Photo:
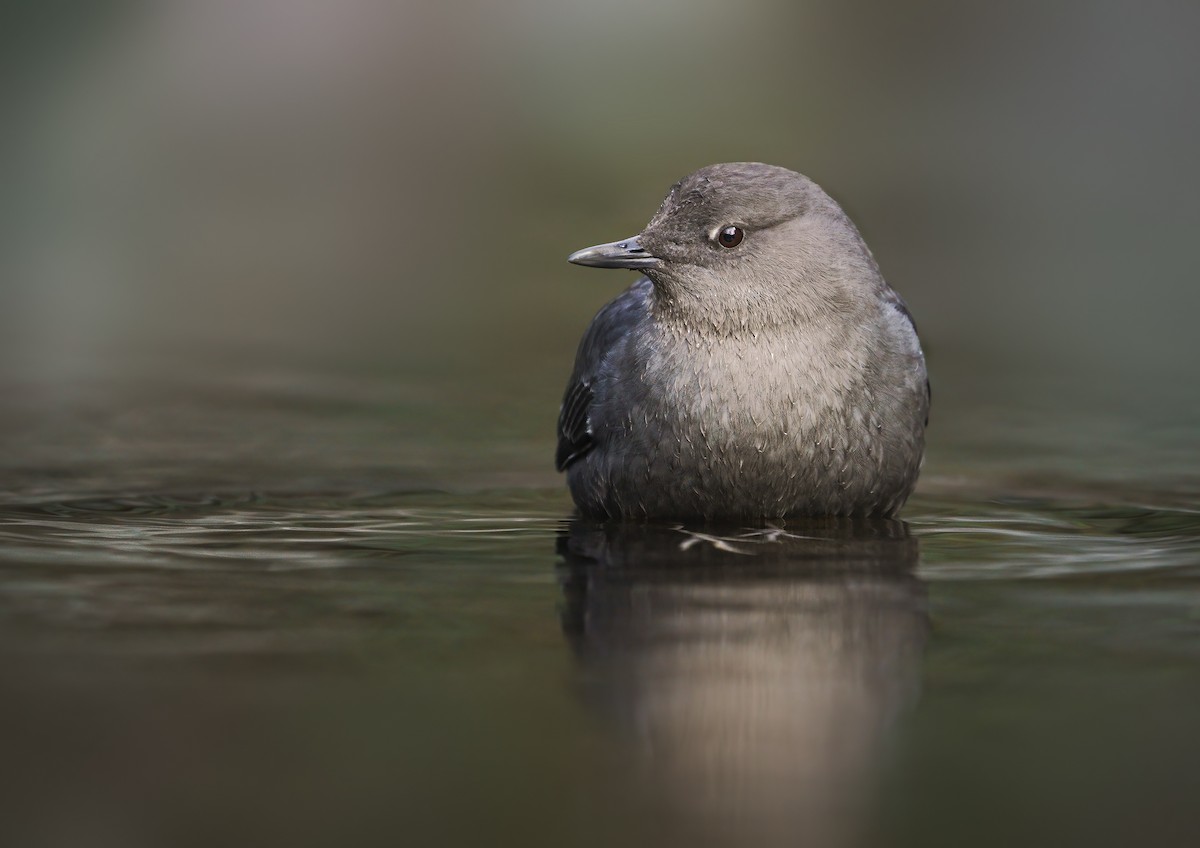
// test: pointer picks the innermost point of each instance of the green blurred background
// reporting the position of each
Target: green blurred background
(287, 192)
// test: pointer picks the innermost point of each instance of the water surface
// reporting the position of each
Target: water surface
(292, 615)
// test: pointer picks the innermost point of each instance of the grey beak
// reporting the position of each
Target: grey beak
(627, 253)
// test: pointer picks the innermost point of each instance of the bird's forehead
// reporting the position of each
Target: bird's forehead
(748, 194)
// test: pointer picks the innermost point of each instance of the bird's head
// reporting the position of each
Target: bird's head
(750, 244)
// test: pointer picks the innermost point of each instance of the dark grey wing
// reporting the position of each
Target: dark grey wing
(608, 328)
(894, 298)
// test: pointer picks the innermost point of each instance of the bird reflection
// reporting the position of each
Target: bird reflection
(756, 673)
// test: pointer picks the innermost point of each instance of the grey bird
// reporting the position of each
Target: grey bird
(762, 368)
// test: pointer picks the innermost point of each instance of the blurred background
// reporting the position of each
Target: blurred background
(285, 319)
(250, 201)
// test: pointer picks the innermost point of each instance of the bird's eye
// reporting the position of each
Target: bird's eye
(730, 236)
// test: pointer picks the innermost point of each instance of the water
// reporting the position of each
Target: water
(295, 613)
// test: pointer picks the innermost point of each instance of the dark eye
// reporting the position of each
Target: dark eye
(730, 236)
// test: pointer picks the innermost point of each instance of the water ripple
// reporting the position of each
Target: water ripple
(1013, 539)
(1044, 539)
(283, 533)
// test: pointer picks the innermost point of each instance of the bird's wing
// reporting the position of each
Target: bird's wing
(608, 328)
(893, 297)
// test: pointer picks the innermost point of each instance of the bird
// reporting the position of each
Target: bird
(760, 368)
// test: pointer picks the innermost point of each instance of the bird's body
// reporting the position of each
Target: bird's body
(778, 380)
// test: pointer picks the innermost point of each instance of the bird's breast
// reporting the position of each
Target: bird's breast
(768, 423)
(776, 388)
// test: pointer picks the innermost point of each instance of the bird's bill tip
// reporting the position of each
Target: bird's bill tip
(626, 253)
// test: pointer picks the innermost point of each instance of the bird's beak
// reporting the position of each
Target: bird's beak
(626, 253)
